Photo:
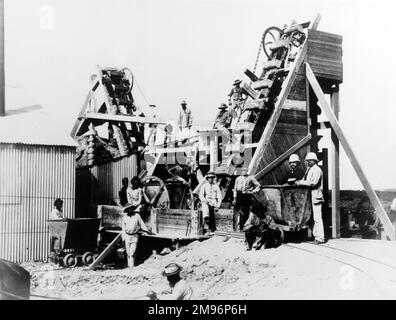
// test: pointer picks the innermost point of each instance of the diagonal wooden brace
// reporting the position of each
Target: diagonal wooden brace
(388, 227)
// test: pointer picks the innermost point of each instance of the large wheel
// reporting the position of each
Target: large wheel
(271, 35)
(87, 258)
(70, 260)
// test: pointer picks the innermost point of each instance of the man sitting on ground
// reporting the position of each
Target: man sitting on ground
(262, 226)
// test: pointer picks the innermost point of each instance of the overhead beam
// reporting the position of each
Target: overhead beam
(269, 128)
(119, 118)
(388, 227)
(278, 161)
(315, 23)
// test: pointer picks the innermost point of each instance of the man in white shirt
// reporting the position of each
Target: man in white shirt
(210, 196)
(179, 288)
(314, 178)
(132, 224)
(57, 211)
(185, 121)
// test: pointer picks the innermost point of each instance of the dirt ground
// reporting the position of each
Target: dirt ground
(219, 268)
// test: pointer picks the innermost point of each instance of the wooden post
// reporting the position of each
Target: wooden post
(335, 169)
(375, 201)
(2, 76)
(325, 206)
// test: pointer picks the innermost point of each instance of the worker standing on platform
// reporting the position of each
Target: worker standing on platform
(135, 194)
(223, 118)
(185, 121)
(210, 196)
(295, 173)
(314, 179)
(236, 98)
(132, 224)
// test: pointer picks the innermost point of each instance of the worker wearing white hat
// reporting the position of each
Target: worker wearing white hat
(295, 173)
(211, 198)
(314, 179)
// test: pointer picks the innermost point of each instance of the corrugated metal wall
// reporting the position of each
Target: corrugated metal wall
(99, 185)
(31, 178)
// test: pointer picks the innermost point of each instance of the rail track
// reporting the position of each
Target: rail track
(380, 273)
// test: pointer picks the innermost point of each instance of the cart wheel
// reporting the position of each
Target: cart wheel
(70, 260)
(87, 258)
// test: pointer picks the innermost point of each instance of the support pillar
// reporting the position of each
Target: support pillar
(335, 169)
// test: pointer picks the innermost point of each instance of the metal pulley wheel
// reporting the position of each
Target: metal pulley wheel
(70, 260)
(128, 75)
(297, 38)
(271, 35)
(87, 258)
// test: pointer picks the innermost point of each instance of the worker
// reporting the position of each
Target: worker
(223, 118)
(132, 224)
(185, 120)
(236, 97)
(123, 192)
(152, 134)
(210, 196)
(262, 226)
(179, 288)
(295, 173)
(57, 210)
(241, 200)
(135, 194)
(314, 179)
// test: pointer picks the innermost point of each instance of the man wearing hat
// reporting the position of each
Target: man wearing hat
(314, 179)
(132, 224)
(235, 97)
(241, 200)
(179, 288)
(223, 118)
(185, 119)
(210, 196)
(295, 173)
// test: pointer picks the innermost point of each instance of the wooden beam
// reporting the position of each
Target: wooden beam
(78, 123)
(106, 252)
(376, 203)
(119, 118)
(269, 128)
(2, 59)
(278, 161)
(335, 169)
(315, 23)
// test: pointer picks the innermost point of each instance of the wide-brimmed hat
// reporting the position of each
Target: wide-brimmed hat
(183, 102)
(223, 106)
(294, 158)
(172, 269)
(210, 174)
(237, 82)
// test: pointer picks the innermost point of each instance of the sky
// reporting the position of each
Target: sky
(194, 50)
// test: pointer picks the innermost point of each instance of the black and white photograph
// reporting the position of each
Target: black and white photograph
(202, 150)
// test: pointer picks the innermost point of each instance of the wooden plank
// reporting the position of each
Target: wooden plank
(250, 75)
(335, 169)
(105, 252)
(78, 123)
(293, 116)
(249, 91)
(388, 227)
(315, 22)
(119, 118)
(262, 84)
(283, 157)
(286, 87)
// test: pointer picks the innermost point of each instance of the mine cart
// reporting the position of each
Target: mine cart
(73, 240)
(289, 206)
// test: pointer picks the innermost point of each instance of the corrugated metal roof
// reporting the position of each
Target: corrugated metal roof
(26, 122)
